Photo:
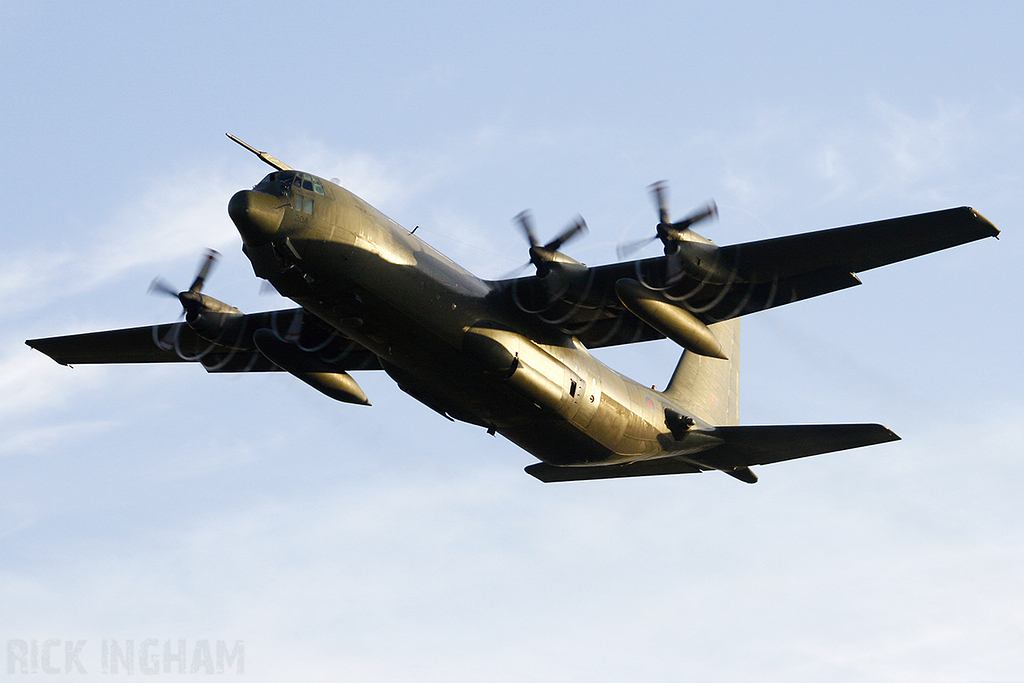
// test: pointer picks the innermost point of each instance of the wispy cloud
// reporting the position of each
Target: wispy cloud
(163, 223)
(457, 569)
(882, 152)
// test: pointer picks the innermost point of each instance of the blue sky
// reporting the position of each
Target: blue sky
(384, 543)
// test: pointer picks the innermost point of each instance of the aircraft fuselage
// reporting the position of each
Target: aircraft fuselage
(445, 336)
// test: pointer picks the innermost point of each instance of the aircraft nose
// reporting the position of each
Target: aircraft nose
(257, 216)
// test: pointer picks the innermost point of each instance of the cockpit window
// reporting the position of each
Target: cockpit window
(289, 180)
(308, 182)
(267, 181)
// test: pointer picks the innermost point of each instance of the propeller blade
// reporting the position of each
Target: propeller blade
(515, 273)
(673, 267)
(167, 341)
(709, 210)
(160, 287)
(660, 192)
(205, 266)
(525, 220)
(190, 297)
(540, 256)
(671, 234)
(574, 228)
(630, 248)
(295, 329)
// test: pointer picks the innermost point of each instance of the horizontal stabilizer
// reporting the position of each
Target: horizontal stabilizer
(747, 446)
(742, 448)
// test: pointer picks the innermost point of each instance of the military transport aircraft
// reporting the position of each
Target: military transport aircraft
(512, 355)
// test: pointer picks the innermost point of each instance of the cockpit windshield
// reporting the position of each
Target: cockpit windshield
(291, 180)
(301, 181)
(266, 181)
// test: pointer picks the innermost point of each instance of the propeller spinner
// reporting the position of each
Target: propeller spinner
(192, 300)
(543, 256)
(674, 235)
(670, 234)
(211, 319)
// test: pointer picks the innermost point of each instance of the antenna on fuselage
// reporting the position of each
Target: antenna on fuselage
(273, 161)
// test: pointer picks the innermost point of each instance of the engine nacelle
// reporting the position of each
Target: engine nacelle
(215, 321)
(337, 384)
(700, 258)
(224, 329)
(676, 323)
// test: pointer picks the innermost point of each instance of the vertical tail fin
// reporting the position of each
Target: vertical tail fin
(709, 388)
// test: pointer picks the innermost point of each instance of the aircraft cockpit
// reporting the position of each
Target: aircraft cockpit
(283, 182)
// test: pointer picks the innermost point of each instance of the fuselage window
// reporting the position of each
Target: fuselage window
(303, 203)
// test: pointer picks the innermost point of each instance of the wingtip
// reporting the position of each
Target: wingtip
(887, 435)
(986, 225)
(35, 344)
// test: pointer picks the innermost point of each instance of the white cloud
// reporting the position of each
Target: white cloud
(175, 217)
(882, 153)
(29, 381)
(43, 439)
(168, 221)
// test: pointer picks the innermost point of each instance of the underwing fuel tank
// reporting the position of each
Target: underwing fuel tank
(338, 385)
(531, 370)
(675, 322)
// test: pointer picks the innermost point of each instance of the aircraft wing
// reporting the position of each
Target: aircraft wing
(741, 448)
(325, 350)
(856, 248)
(757, 275)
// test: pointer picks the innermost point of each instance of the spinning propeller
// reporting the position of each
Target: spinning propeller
(558, 275)
(672, 234)
(211, 319)
(192, 300)
(543, 256)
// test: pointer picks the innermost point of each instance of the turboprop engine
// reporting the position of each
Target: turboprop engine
(213, 320)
